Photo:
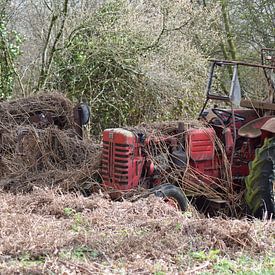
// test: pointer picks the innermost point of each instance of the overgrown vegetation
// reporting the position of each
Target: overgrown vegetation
(9, 51)
(131, 61)
(44, 232)
(133, 72)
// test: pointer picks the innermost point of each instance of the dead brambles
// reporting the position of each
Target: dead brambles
(39, 146)
(47, 232)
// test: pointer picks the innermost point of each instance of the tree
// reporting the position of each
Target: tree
(136, 62)
(253, 23)
(57, 21)
(9, 51)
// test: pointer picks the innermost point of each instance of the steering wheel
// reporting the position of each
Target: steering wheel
(225, 116)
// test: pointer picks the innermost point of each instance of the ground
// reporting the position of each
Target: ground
(52, 233)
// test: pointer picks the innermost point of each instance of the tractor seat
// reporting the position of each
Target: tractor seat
(252, 129)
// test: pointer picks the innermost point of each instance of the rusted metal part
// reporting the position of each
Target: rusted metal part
(269, 126)
(256, 104)
(242, 63)
(267, 49)
(78, 122)
(268, 58)
(41, 119)
(267, 67)
(253, 128)
(81, 113)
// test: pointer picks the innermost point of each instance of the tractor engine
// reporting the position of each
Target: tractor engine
(129, 159)
(122, 160)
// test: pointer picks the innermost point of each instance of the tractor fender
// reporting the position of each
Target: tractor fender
(253, 128)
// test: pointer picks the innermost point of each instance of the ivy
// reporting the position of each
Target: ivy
(10, 42)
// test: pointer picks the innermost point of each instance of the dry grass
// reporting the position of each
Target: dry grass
(46, 232)
(17, 112)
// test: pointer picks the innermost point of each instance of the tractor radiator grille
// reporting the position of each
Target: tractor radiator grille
(115, 163)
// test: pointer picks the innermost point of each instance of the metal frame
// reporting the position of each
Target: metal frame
(244, 103)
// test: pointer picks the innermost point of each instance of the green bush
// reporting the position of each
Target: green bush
(128, 69)
(9, 50)
(101, 64)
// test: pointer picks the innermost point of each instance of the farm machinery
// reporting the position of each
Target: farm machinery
(225, 158)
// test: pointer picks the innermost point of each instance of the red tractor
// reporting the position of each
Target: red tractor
(226, 158)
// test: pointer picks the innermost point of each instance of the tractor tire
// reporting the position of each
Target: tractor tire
(260, 182)
(171, 192)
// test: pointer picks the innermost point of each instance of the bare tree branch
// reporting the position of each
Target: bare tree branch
(46, 62)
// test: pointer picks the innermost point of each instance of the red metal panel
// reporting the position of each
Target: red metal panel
(201, 144)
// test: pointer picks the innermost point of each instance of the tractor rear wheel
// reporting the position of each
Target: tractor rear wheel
(173, 195)
(260, 183)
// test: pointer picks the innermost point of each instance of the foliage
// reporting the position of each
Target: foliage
(10, 42)
(101, 64)
(133, 61)
(253, 24)
(131, 64)
(252, 28)
(245, 27)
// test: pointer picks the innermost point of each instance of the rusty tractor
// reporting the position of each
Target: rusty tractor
(232, 151)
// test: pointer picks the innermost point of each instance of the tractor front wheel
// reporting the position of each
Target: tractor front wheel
(260, 184)
(172, 195)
